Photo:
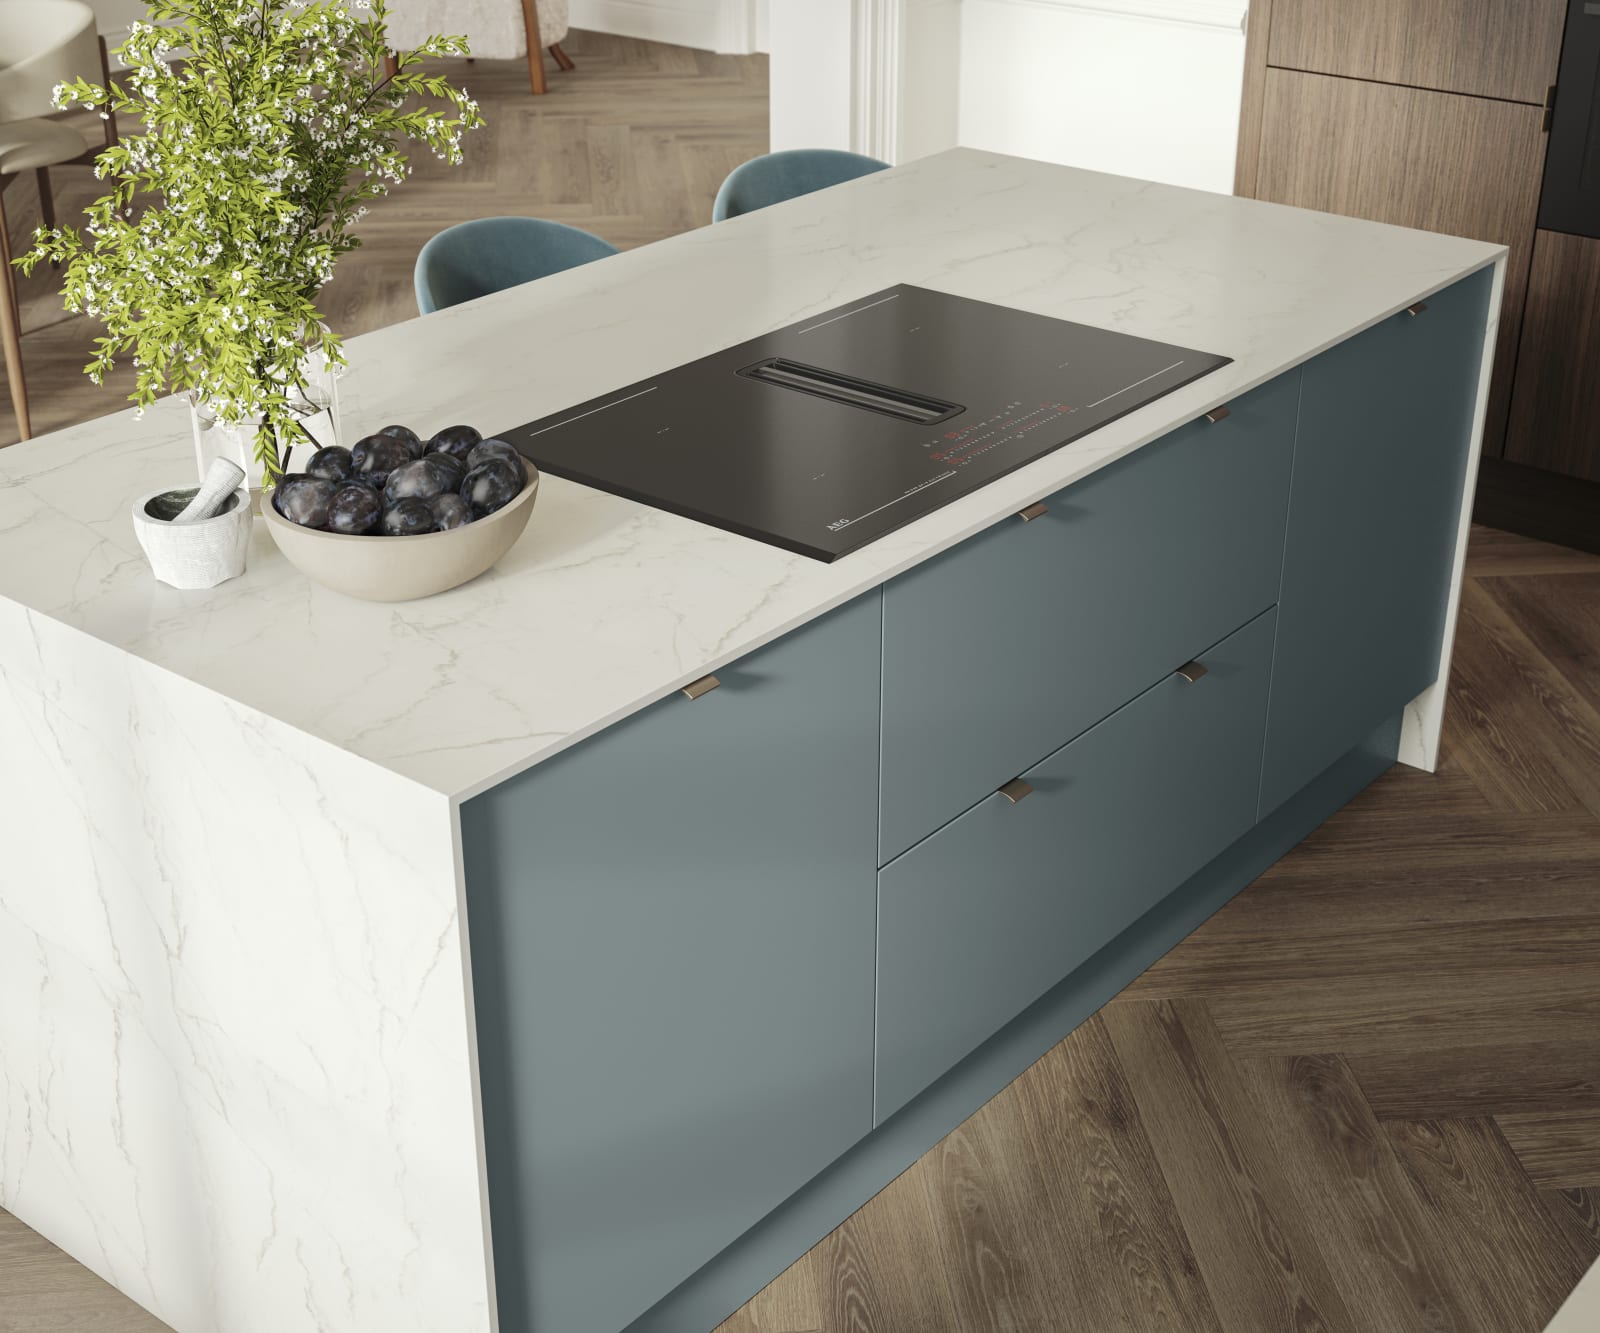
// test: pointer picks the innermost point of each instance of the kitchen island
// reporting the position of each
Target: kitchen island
(441, 967)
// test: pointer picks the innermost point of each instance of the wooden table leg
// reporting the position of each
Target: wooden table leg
(530, 21)
(11, 329)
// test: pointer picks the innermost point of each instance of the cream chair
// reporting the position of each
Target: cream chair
(494, 29)
(42, 43)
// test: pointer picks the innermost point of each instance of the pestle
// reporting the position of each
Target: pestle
(222, 480)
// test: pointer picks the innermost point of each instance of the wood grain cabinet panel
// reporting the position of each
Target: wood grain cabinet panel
(1555, 417)
(1489, 48)
(1466, 166)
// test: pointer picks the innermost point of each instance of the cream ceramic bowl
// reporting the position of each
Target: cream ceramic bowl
(401, 569)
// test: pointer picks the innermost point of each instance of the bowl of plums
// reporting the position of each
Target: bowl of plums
(399, 517)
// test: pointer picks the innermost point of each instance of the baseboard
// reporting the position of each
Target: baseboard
(731, 26)
(735, 1275)
(1534, 503)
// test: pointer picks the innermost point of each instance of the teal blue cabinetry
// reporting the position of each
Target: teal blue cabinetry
(671, 936)
(982, 918)
(731, 951)
(1380, 459)
(1001, 649)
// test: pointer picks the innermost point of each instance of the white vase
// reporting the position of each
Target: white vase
(317, 415)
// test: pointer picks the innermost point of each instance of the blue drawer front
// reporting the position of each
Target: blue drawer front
(1379, 464)
(978, 921)
(1006, 647)
(671, 931)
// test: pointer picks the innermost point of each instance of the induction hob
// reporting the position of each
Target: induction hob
(827, 434)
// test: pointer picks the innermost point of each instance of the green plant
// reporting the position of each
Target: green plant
(267, 128)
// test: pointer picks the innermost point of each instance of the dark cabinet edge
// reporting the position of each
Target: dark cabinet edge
(1532, 502)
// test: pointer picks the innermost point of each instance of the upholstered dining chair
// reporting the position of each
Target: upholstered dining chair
(494, 29)
(487, 255)
(42, 43)
(787, 175)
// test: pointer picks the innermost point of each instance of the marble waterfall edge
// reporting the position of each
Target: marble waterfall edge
(234, 1072)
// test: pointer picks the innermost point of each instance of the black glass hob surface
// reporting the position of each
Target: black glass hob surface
(827, 434)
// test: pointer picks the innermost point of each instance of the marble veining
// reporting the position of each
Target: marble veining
(234, 1064)
(606, 605)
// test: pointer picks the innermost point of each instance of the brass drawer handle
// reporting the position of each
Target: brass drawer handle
(1219, 413)
(695, 688)
(1038, 509)
(1016, 789)
(1192, 671)
(1415, 310)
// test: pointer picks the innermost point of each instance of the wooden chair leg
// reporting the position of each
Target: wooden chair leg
(47, 203)
(530, 22)
(562, 58)
(110, 121)
(11, 331)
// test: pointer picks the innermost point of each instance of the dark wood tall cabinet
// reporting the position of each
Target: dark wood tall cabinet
(1436, 114)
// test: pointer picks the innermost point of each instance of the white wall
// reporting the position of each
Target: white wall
(1113, 85)
(712, 25)
(810, 82)
(1145, 88)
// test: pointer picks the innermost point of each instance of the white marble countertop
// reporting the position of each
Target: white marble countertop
(606, 605)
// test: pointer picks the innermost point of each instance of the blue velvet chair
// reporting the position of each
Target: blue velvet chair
(787, 175)
(490, 254)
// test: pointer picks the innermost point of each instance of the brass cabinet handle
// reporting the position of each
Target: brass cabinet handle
(1016, 789)
(1192, 671)
(695, 688)
(1415, 310)
(1038, 509)
(1219, 413)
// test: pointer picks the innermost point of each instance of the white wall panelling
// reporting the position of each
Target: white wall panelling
(873, 76)
(1144, 88)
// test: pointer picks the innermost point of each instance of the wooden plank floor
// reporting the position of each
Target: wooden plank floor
(1364, 1096)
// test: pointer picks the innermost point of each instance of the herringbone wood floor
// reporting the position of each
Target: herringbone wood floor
(631, 145)
(1365, 1096)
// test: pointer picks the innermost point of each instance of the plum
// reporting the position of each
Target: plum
(419, 479)
(331, 464)
(354, 509)
(482, 453)
(376, 456)
(450, 511)
(284, 480)
(406, 436)
(492, 485)
(304, 500)
(448, 466)
(457, 441)
(409, 517)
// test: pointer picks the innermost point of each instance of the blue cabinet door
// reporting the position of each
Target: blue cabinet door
(671, 932)
(1380, 460)
(981, 919)
(1003, 649)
